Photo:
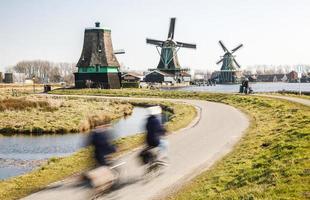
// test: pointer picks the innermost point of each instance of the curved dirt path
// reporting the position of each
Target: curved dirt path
(213, 134)
(292, 99)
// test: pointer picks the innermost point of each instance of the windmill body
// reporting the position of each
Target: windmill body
(228, 62)
(98, 66)
(167, 51)
(230, 72)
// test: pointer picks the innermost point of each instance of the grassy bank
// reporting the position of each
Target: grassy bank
(290, 95)
(270, 162)
(39, 115)
(59, 168)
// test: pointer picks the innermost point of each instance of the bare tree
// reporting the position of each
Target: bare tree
(44, 70)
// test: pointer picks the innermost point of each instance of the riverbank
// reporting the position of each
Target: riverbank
(270, 161)
(41, 115)
(60, 168)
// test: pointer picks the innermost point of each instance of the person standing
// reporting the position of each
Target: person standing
(246, 85)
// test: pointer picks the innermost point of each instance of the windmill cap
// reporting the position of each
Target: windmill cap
(154, 110)
(97, 24)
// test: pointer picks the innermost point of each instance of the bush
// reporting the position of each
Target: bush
(130, 84)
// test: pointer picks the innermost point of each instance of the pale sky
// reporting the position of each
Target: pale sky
(272, 31)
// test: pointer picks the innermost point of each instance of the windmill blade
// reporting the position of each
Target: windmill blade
(155, 42)
(119, 51)
(218, 62)
(171, 28)
(186, 45)
(223, 46)
(236, 63)
(235, 49)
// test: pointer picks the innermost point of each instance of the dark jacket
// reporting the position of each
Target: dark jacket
(245, 84)
(154, 130)
(102, 143)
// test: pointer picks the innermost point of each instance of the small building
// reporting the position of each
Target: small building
(157, 76)
(132, 77)
(292, 77)
(272, 78)
(8, 78)
(185, 77)
(305, 78)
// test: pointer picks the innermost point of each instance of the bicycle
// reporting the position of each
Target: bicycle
(151, 159)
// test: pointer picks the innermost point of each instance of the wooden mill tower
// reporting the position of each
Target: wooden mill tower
(98, 66)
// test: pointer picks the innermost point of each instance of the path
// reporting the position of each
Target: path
(292, 99)
(191, 151)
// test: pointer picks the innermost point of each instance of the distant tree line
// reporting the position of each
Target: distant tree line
(270, 69)
(46, 71)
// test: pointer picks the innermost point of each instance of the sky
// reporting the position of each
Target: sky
(273, 32)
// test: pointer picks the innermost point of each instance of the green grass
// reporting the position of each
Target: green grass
(270, 162)
(60, 168)
(290, 95)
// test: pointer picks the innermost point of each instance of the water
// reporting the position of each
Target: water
(257, 87)
(19, 154)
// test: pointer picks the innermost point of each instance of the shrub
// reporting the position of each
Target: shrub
(130, 84)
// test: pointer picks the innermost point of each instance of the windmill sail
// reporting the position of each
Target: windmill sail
(171, 28)
(238, 47)
(187, 45)
(154, 42)
(223, 46)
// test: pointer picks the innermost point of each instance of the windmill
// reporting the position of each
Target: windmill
(229, 72)
(168, 49)
(228, 58)
(98, 64)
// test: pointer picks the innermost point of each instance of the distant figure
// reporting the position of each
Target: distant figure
(245, 85)
(101, 139)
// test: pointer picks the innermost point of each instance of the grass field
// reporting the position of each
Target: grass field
(16, 89)
(59, 168)
(270, 162)
(291, 95)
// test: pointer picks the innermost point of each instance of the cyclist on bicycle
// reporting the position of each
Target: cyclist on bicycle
(156, 131)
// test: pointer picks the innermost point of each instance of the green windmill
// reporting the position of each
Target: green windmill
(229, 72)
(168, 49)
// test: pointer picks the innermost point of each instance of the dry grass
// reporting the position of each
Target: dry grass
(19, 104)
(38, 115)
(22, 89)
